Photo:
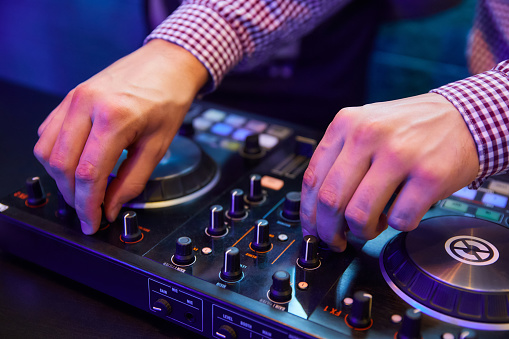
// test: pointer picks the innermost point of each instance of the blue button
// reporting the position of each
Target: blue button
(221, 129)
(241, 134)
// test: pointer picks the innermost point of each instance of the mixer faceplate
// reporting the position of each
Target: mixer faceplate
(454, 269)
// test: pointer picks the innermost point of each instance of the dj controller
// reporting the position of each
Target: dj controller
(214, 245)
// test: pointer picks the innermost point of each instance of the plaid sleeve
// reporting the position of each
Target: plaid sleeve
(225, 33)
(483, 101)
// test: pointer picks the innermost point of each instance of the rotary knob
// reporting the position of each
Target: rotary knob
(255, 189)
(131, 231)
(252, 148)
(309, 253)
(36, 196)
(184, 255)
(261, 241)
(231, 271)
(291, 206)
(237, 210)
(162, 307)
(216, 226)
(64, 211)
(226, 332)
(281, 290)
(467, 334)
(360, 316)
(411, 325)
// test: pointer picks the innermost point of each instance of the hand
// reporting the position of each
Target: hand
(138, 104)
(419, 148)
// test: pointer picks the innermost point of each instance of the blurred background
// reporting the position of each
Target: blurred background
(53, 45)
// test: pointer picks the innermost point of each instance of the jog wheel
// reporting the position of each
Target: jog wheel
(453, 268)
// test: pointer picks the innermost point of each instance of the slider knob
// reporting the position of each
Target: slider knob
(184, 252)
(255, 189)
(411, 325)
(231, 270)
(131, 231)
(216, 226)
(281, 290)
(35, 192)
(261, 241)
(291, 206)
(237, 210)
(309, 253)
(360, 316)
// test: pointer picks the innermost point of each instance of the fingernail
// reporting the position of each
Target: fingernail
(86, 228)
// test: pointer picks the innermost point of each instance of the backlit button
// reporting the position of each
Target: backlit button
(213, 114)
(268, 141)
(456, 206)
(230, 145)
(272, 183)
(256, 125)
(465, 193)
(494, 199)
(487, 214)
(279, 131)
(201, 124)
(499, 187)
(235, 120)
(221, 129)
(241, 134)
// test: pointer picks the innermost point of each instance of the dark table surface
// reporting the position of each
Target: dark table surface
(35, 302)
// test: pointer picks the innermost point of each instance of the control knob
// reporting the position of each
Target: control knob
(411, 325)
(309, 253)
(216, 227)
(184, 255)
(261, 241)
(281, 290)
(237, 210)
(291, 206)
(162, 307)
(360, 315)
(36, 196)
(231, 271)
(131, 231)
(255, 189)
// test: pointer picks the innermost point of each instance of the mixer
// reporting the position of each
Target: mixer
(214, 244)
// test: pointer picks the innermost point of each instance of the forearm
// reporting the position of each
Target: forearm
(224, 34)
(483, 101)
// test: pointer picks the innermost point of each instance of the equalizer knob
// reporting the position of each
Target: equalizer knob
(184, 255)
(231, 270)
(360, 316)
(252, 148)
(261, 240)
(131, 231)
(309, 253)
(36, 196)
(216, 227)
(255, 189)
(281, 290)
(237, 210)
(411, 325)
(291, 206)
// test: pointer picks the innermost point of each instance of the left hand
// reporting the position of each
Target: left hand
(419, 147)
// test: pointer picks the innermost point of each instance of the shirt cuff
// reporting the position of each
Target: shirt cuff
(206, 35)
(483, 101)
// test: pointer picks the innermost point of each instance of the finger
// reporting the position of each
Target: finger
(336, 192)
(60, 111)
(133, 174)
(413, 201)
(364, 212)
(322, 160)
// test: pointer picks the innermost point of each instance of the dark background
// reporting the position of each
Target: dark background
(49, 46)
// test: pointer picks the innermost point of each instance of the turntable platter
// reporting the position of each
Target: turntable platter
(183, 174)
(453, 268)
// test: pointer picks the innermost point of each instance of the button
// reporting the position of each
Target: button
(221, 129)
(256, 125)
(494, 199)
(465, 193)
(207, 138)
(235, 120)
(241, 134)
(487, 214)
(268, 141)
(455, 206)
(201, 124)
(499, 187)
(279, 131)
(230, 145)
(272, 183)
(213, 114)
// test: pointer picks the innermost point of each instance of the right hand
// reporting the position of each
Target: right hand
(138, 104)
